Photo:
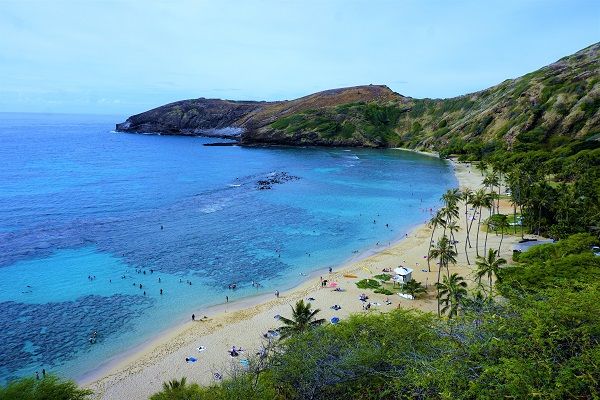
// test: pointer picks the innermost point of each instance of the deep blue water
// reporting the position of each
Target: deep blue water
(79, 200)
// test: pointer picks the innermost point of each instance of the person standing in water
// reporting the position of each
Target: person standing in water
(277, 293)
(193, 317)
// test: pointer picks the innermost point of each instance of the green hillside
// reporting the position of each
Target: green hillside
(541, 110)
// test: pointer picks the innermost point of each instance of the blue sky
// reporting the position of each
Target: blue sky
(123, 57)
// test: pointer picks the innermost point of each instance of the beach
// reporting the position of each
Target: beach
(142, 371)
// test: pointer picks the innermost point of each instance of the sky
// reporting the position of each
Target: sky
(124, 57)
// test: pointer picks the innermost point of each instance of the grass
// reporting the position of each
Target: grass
(368, 284)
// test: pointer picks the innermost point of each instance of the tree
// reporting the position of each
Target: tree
(466, 198)
(489, 204)
(501, 223)
(436, 220)
(303, 318)
(453, 227)
(452, 292)
(446, 255)
(478, 201)
(177, 390)
(413, 288)
(481, 166)
(451, 197)
(51, 387)
(489, 266)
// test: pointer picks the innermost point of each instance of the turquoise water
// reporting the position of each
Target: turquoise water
(78, 201)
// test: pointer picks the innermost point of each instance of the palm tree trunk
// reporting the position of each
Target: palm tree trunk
(477, 237)
(498, 207)
(453, 242)
(539, 218)
(430, 244)
(501, 238)
(521, 212)
(471, 228)
(487, 229)
(515, 217)
(467, 222)
(438, 288)
(467, 253)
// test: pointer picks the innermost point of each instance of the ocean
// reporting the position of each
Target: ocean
(94, 224)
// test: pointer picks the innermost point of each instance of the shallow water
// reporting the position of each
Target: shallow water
(80, 201)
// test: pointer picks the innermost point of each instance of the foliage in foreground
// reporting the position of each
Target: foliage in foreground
(541, 340)
(49, 388)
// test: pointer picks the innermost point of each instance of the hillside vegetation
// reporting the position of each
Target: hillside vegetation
(543, 109)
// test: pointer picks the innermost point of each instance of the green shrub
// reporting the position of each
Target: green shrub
(383, 277)
(368, 284)
(48, 388)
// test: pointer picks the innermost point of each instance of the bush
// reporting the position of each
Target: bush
(383, 277)
(48, 388)
(368, 284)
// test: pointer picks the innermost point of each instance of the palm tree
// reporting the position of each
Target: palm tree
(478, 201)
(175, 385)
(413, 288)
(433, 223)
(303, 318)
(502, 224)
(467, 194)
(489, 204)
(446, 255)
(453, 227)
(452, 292)
(489, 266)
(481, 166)
(490, 181)
(451, 197)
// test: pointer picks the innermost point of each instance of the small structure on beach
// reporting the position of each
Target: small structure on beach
(403, 274)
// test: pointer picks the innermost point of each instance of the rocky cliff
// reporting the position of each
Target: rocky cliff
(551, 105)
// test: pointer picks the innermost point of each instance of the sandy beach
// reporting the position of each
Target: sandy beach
(242, 324)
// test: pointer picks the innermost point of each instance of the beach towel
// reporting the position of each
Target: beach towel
(335, 320)
(201, 348)
(192, 360)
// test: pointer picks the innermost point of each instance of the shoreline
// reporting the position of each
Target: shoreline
(141, 371)
(111, 365)
(181, 323)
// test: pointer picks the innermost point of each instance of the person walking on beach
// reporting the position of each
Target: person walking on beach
(226, 299)
(330, 269)
(43, 372)
(277, 293)
(37, 375)
(193, 317)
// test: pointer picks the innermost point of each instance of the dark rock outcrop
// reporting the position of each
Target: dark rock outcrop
(207, 117)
